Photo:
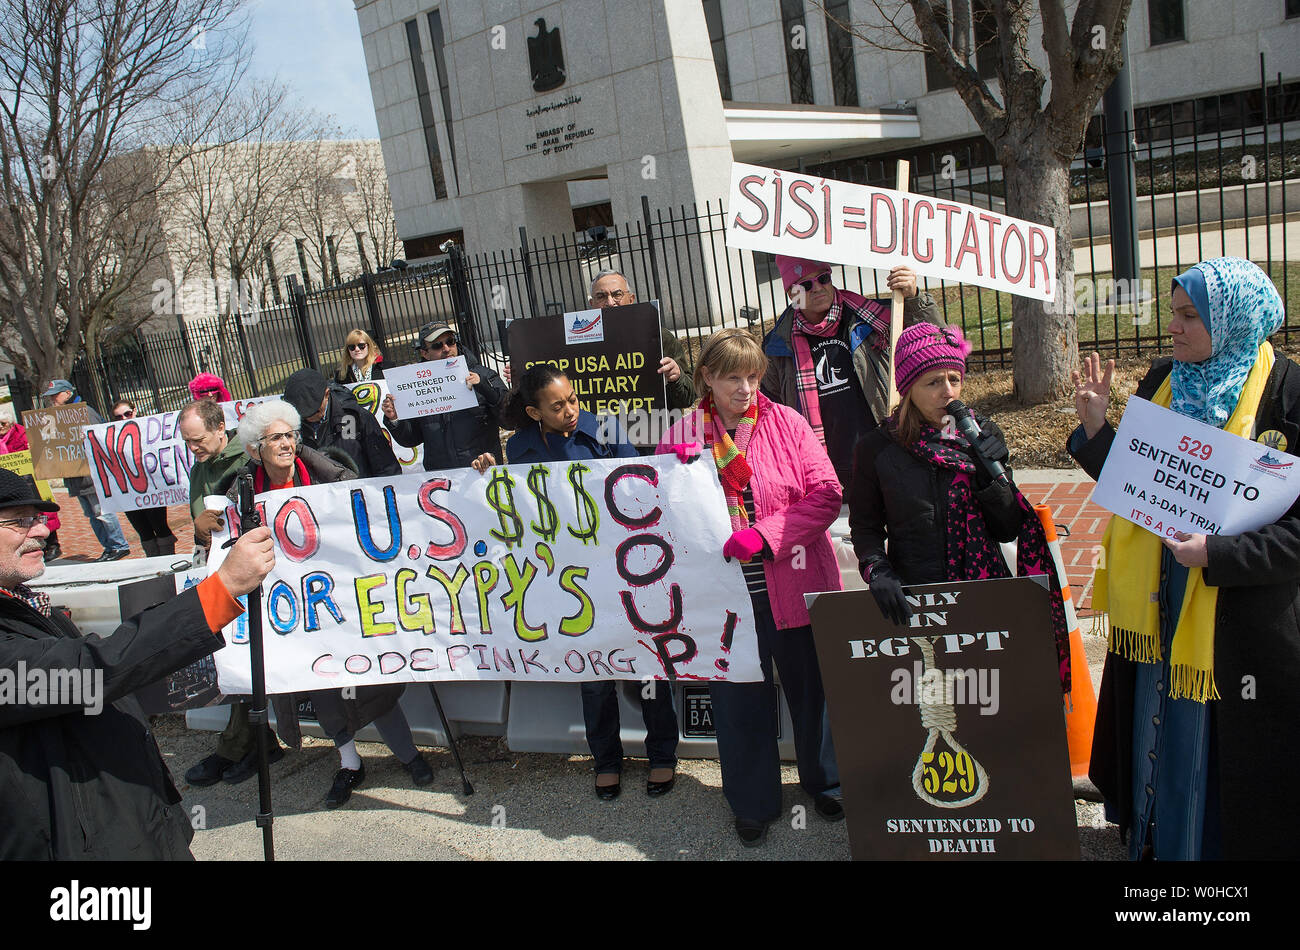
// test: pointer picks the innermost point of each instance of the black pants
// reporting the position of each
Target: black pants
(155, 534)
(600, 711)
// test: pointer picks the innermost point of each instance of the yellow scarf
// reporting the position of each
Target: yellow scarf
(1131, 594)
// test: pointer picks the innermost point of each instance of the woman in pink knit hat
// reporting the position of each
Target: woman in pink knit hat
(919, 484)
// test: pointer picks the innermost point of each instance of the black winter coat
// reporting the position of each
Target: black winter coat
(1256, 660)
(94, 787)
(353, 430)
(456, 439)
(897, 497)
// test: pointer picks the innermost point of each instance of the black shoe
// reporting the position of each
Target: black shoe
(607, 793)
(419, 770)
(344, 782)
(246, 767)
(53, 552)
(208, 772)
(656, 789)
(830, 808)
(114, 555)
(752, 833)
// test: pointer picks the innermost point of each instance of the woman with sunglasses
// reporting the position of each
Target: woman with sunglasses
(210, 386)
(149, 523)
(828, 355)
(361, 359)
(13, 438)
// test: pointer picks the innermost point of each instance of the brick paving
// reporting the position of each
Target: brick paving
(1071, 504)
(78, 540)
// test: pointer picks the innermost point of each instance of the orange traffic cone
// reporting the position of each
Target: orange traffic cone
(1081, 703)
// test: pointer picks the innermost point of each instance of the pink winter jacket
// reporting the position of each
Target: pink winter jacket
(796, 498)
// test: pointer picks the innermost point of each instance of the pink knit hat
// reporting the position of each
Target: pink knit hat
(795, 269)
(206, 382)
(923, 347)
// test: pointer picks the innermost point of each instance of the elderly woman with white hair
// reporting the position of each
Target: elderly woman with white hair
(270, 434)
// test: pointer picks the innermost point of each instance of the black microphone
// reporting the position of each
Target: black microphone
(965, 422)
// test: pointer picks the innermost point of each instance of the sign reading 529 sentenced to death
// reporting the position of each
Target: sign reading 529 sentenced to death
(1168, 473)
(783, 212)
(430, 388)
(554, 572)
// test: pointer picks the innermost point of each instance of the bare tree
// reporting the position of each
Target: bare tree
(82, 84)
(327, 177)
(1034, 141)
(370, 213)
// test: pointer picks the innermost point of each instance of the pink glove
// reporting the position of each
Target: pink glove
(686, 452)
(743, 544)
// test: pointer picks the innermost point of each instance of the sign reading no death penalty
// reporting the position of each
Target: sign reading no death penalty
(139, 463)
(1168, 473)
(611, 356)
(430, 388)
(783, 212)
(949, 734)
(54, 436)
(554, 572)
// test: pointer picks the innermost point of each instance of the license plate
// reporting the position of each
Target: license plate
(697, 713)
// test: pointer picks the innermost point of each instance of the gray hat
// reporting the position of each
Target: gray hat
(431, 331)
(58, 386)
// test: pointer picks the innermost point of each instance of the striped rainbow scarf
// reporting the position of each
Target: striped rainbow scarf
(733, 471)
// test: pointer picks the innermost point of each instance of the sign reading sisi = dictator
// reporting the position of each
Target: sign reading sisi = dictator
(949, 733)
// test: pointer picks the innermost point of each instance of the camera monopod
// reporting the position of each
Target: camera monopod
(257, 718)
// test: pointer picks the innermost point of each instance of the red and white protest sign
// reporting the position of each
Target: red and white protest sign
(783, 212)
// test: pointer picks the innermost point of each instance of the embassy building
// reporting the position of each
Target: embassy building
(555, 116)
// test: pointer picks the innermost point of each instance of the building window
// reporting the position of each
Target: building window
(796, 51)
(987, 52)
(718, 40)
(935, 77)
(844, 76)
(444, 86)
(1292, 8)
(426, 109)
(1165, 21)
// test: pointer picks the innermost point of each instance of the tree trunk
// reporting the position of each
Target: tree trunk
(1045, 337)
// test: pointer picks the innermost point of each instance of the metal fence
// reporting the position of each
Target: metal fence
(1204, 189)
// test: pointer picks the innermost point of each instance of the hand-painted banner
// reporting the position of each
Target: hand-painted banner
(55, 438)
(783, 212)
(1168, 473)
(236, 408)
(370, 396)
(139, 463)
(20, 463)
(430, 388)
(554, 572)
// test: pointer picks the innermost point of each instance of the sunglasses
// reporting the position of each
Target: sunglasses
(358, 346)
(822, 279)
(440, 344)
(204, 394)
(125, 414)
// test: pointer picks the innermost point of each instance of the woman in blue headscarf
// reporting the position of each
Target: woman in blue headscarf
(1194, 747)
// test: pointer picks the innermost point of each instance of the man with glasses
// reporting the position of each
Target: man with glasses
(829, 354)
(609, 288)
(218, 457)
(107, 527)
(81, 776)
(333, 419)
(460, 439)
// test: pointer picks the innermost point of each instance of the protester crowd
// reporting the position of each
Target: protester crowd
(795, 426)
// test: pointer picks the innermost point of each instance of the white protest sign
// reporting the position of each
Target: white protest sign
(235, 408)
(370, 396)
(783, 212)
(552, 572)
(1167, 473)
(430, 388)
(139, 463)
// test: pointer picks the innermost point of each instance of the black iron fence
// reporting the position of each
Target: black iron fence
(1204, 190)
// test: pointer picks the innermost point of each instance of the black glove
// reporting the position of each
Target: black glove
(888, 591)
(991, 446)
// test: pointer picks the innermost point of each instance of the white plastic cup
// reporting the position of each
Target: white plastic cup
(215, 502)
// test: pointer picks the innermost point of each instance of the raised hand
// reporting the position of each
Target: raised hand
(1092, 393)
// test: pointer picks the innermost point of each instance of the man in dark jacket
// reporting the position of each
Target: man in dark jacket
(81, 777)
(332, 418)
(107, 527)
(466, 437)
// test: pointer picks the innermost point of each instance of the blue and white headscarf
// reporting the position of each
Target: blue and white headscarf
(1241, 308)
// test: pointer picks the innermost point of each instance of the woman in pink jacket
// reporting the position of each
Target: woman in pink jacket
(782, 494)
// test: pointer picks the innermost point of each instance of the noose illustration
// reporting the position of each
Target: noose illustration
(940, 719)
